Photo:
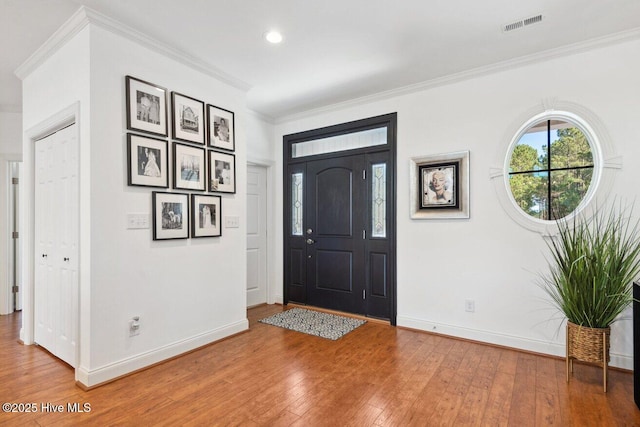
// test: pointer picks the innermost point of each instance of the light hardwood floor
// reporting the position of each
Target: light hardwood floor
(377, 375)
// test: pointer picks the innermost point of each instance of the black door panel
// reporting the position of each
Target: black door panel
(335, 217)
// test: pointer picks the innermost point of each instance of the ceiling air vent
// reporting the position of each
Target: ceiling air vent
(532, 20)
(521, 23)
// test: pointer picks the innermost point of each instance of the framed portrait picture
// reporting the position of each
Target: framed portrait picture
(147, 161)
(440, 186)
(207, 214)
(188, 118)
(222, 172)
(189, 168)
(220, 128)
(170, 215)
(146, 106)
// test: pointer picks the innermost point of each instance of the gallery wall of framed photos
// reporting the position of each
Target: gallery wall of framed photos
(197, 157)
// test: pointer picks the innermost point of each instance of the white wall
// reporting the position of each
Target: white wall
(56, 90)
(489, 258)
(186, 292)
(10, 133)
(259, 135)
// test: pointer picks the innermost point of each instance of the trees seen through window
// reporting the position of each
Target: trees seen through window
(550, 169)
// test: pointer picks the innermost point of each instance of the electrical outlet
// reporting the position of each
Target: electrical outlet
(134, 326)
(470, 305)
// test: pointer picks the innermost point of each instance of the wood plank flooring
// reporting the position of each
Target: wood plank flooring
(377, 375)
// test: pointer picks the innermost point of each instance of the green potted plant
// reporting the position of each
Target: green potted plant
(593, 264)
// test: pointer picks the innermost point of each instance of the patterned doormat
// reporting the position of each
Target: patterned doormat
(316, 323)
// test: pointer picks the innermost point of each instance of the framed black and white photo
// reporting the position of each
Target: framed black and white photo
(146, 106)
(147, 161)
(207, 214)
(220, 128)
(189, 168)
(222, 172)
(170, 215)
(188, 118)
(440, 186)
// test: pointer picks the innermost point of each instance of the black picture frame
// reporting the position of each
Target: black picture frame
(222, 172)
(188, 121)
(221, 128)
(440, 185)
(146, 106)
(170, 215)
(206, 217)
(189, 167)
(147, 161)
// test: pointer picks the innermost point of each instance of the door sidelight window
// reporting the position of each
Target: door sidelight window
(296, 203)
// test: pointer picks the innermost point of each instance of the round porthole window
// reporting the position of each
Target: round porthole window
(550, 167)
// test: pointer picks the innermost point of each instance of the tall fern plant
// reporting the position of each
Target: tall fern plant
(593, 265)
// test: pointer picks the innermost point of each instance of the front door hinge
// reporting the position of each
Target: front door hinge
(364, 234)
(14, 181)
(364, 294)
(15, 289)
(364, 174)
(14, 234)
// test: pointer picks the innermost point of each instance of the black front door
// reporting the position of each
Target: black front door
(340, 225)
(335, 211)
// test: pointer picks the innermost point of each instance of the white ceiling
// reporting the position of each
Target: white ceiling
(334, 50)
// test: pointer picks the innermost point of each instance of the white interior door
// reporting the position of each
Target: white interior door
(256, 235)
(56, 238)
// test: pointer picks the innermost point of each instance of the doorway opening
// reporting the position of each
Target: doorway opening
(15, 247)
(10, 238)
(340, 219)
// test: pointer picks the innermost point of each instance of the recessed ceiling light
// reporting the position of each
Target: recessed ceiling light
(273, 37)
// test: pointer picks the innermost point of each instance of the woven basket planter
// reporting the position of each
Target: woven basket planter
(589, 345)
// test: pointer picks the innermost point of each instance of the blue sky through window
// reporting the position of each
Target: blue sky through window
(537, 140)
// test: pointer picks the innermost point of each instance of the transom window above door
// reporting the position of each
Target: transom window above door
(342, 142)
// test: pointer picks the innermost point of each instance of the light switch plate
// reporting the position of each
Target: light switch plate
(137, 221)
(232, 221)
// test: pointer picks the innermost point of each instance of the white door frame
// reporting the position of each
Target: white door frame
(271, 226)
(58, 121)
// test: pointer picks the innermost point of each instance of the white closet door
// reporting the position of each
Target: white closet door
(56, 235)
(44, 291)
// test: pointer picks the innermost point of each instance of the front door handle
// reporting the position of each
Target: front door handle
(310, 241)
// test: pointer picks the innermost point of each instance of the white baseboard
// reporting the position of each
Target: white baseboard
(93, 377)
(505, 340)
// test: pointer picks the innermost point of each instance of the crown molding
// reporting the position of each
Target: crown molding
(521, 61)
(66, 32)
(85, 16)
(260, 116)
